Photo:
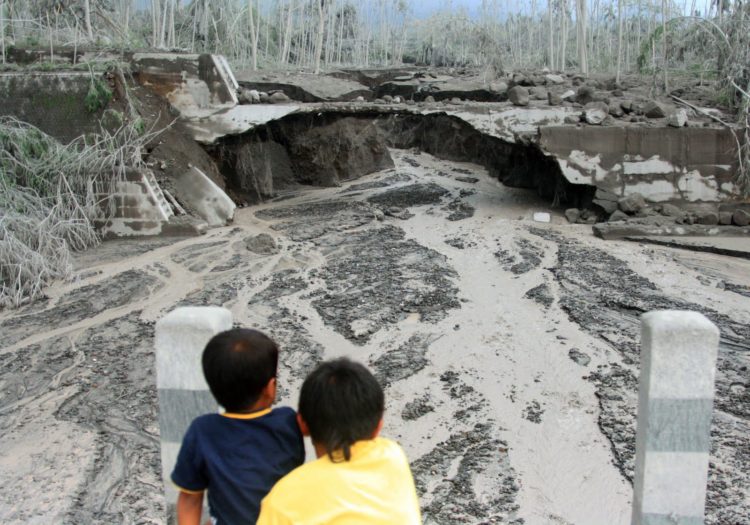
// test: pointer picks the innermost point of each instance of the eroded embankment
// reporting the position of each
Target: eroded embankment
(325, 148)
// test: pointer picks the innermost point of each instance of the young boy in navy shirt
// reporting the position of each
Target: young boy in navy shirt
(237, 455)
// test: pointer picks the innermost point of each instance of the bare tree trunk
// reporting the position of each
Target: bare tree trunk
(664, 43)
(564, 33)
(287, 34)
(619, 40)
(2, 28)
(551, 57)
(581, 36)
(154, 22)
(163, 30)
(87, 14)
(253, 36)
(319, 36)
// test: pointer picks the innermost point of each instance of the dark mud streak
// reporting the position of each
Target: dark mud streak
(605, 298)
(379, 276)
(84, 303)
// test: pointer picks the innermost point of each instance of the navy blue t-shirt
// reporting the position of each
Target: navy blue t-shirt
(238, 458)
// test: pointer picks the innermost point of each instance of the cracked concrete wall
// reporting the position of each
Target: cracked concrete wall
(662, 164)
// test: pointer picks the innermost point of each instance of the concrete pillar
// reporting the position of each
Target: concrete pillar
(675, 402)
(181, 336)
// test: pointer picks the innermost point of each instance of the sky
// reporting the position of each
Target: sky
(423, 8)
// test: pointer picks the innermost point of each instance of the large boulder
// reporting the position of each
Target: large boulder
(632, 203)
(707, 217)
(554, 79)
(519, 96)
(741, 218)
(605, 200)
(499, 87)
(553, 99)
(615, 110)
(654, 109)
(572, 214)
(678, 119)
(595, 112)
(585, 95)
(278, 98)
(670, 210)
(538, 93)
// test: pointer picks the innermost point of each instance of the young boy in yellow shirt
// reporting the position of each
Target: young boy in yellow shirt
(358, 478)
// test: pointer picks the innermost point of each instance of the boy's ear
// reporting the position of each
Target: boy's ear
(271, 388)
(378, 429)
(303, 426)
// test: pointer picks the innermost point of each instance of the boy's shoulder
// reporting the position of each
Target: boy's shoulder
(276, 417)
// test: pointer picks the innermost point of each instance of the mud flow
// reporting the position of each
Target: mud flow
(508, 349)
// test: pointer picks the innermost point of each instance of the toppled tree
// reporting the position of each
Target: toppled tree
(50, 197)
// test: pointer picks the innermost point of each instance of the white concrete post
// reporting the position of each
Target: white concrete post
(675, 403)
(181, 336)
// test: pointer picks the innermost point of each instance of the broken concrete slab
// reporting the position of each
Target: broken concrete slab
(205, 197)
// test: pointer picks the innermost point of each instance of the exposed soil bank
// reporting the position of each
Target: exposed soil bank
(322, 149)
(508, 351)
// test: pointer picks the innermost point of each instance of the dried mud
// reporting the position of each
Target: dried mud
(508, 351)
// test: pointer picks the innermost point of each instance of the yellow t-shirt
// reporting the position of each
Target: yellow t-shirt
(374, 487)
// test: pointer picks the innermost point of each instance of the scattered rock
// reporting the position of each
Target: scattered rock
(387, 99)
(654, 109)
(670, 210)
(541, 216)
(585, 95)
(279, 97)
(568, 95)
(615, 110)
(617, 93)
(429, 98)
(380, 101)
(455, 101)
(554, 79)
(725, 217)
(264, 98)
(632, 203)
(617, 215)
(627, 106)
(579, 357)
(262, 244)
(538, 93)
(707, 217)
(741, 218)
(499, 87)
(249, 96)
(519, 96)
(678, 119)
(572, 119)
(359, 99)
(595, 112)
(572, 214)
(553, 99)
(606, 200)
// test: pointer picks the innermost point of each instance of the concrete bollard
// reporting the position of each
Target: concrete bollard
(675, 403)
(181, 336)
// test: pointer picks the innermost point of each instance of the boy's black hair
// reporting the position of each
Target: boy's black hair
(237, 365)
(342, 403)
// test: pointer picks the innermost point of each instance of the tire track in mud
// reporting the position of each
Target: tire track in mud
(609, 307)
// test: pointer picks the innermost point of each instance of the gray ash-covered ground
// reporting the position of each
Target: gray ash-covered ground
(605, 297)
(508, 352)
